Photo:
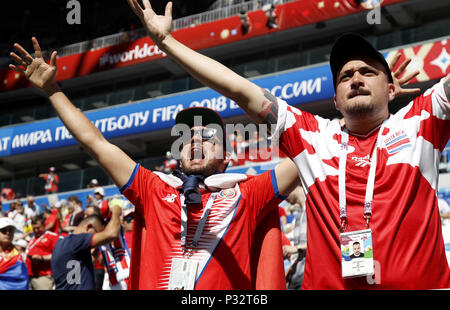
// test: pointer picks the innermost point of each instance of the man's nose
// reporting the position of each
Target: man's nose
(196, 137)
(357, 80)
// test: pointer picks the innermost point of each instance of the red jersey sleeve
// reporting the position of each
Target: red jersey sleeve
(261, 193)
(433, 110)
(293, 129)
(139, 186)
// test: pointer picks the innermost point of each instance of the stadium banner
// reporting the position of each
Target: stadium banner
(135, 50)
(296, 87)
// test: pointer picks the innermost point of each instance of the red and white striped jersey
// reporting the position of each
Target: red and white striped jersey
(407, 241)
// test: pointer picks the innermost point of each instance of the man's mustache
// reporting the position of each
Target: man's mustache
(357, 92)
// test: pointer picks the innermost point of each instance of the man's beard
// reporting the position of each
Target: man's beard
(206, 170)
(359, 109)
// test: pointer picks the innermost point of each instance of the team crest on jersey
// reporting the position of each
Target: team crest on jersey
(397, 142)
(227, 193)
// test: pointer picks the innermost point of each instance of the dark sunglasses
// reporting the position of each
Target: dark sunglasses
(205, 133)
(7, 230)
(128, 218)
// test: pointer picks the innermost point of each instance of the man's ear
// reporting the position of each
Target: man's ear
(89, 226)
(335, 103)
(391, 91)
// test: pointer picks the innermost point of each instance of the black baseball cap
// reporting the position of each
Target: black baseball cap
(349, 45)
(208, 116)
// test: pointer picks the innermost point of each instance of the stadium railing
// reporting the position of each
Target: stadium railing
(180, 23)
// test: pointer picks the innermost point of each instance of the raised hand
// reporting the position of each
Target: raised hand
(158, 26)
(398, 83)
(36, 70)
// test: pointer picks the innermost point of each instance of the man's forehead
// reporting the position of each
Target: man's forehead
(356, 62)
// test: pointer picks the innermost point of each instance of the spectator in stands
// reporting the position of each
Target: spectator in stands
(51, 181)
(53, 218)
(21, 246)
(364, 85)
(90, 233)
(253, 236)
(245, 22)
(8, 194)
(97, 257)
(91, 210)
(93, 183)
(127, 223)
(39, 255)
(31, 209)
(296, 199)
(13, 272)
(12, 208)
(271, 17)
(169, 165)
(99, 200)
(75, 214)
(18, 216)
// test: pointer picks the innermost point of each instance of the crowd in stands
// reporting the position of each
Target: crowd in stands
(35, 230)
(29, 233)
(253, 149)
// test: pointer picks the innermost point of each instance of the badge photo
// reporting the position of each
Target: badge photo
(357, 253)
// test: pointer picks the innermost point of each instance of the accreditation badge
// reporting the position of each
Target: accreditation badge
(183, 273)
(357, 253)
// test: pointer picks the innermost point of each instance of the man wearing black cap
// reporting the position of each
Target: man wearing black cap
(199, 228)
(372, 171)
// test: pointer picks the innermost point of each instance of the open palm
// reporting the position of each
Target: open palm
(399, 82)
(36, 70)
(158, 26)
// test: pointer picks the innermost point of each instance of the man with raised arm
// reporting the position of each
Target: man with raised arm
(372, 177)
(196, 229)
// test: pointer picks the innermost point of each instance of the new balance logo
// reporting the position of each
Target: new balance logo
(170, 198)
(361, 161)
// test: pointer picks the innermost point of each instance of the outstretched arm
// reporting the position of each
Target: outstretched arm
(113, 160)
(259, 104)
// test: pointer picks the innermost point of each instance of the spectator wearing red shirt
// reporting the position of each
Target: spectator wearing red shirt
(39, 255)
(52, 220)
(51, 180)
(75, 215)
(8, 194)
